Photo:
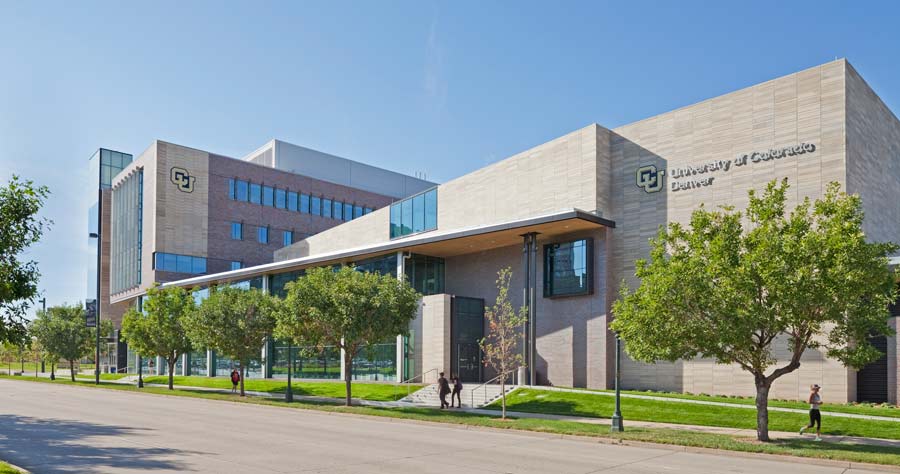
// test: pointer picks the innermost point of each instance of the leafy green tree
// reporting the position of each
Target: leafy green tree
(20, 202)
(159, 329)
(61, 331)
(346, 309)
(735, 286)
(233, 322)
(500, 346)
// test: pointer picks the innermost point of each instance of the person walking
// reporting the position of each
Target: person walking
(443, 390)
(457, 389)
(815, 417)
(235, 380)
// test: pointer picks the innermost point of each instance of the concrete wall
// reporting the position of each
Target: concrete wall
(805, 107)
(435, 336)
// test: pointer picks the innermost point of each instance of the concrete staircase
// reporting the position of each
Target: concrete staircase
(483, 395)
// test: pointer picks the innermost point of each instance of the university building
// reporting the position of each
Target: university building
(570, 217)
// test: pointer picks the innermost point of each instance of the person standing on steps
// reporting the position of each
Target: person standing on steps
(457, 389)
(815, 417)
(443, 390)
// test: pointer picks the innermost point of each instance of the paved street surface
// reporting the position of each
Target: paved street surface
(56, 429)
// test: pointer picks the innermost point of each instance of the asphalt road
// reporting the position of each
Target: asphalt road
(62, 429)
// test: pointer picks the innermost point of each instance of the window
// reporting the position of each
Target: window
(316, 205)
(357, 211)
(170, 262)
(338, 210)
(268, 195)
(235, 265)
(414, 214)
(367, 210)
(231, 188)
(237, 231)
(292, 201)
(240, 190)
(255, 193)
(262, 235)
(568, 268)
(326, 207)
(287, 238)
(304, 203)
(348, 211)
(280, 198)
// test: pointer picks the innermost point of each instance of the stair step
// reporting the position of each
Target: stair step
(485, 395)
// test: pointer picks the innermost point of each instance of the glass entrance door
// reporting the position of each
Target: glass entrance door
(466, 330)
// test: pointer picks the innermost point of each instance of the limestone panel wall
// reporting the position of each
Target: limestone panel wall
(571, 331)
(435, 327)
(181, 216)
(805, 107)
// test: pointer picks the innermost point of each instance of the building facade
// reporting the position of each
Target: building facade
(572, 216)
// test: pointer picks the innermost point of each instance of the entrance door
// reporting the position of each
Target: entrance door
(466, 330)
(872, 381)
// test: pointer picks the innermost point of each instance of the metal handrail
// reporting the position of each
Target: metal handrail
(407, 381)
(484, 387)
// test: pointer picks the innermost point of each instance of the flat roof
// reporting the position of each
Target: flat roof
(437, 244)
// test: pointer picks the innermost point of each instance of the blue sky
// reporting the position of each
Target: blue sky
(443, 88)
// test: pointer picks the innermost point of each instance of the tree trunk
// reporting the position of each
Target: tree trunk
(348, 376)
(53, 371)
(72, 369)
(171, 362)
(762, 409)
(503, 396)
(243, 375)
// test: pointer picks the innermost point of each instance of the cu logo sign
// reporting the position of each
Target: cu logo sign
(182, 179)
(650, 179)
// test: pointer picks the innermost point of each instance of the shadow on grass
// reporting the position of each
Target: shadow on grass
(49, 445)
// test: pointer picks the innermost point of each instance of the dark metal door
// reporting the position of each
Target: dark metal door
(871, 381)
(466, 330)
(468, 362)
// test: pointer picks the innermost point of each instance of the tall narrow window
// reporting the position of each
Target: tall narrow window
(231, 188)
(287, 238)
(326, 207)
(240, 190)
(268, 195)
(348, 211)
(316, 206)
(338, 210)
(237, 231)
(304, 203)
(280, 198)
(255, 193)
(262, 234)
(292, 201)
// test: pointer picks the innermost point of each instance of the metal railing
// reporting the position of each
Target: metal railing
(483, 387)
(408, 381)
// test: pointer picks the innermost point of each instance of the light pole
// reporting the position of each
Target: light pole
(96, 235)
(43, 302)
(616, 425)
(140, 364)
(289, 393)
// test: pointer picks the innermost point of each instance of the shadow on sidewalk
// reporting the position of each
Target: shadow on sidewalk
(49, 445)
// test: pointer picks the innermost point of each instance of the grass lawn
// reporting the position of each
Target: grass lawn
(601, 406)
(102, 376)
(823, 450)
(886, 410)
(7, 469)
(366, 391)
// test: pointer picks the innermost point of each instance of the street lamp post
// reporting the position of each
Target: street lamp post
(43, 302)
(289, 393)
(616, 425)
(140, 364)
(96, 235)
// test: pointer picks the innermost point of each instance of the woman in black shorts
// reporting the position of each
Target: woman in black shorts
(815, 417)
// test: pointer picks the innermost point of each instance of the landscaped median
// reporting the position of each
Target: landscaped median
(804, 448)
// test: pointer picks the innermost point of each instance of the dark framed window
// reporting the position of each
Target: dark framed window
(395, 222)
(235, 265)
(326, 208)
(569, 268)
(170, 262)
(240, 190)
(262, 235)
(268, 196)
(338, 210)
(280, 198)
(357, 211)
(304, 203)
(292, 201)
(255, 193)
(367, 210)
(287, 238)
(348, 211)
(231, 188)
(237, 231)
(414, 214)
(316, 206)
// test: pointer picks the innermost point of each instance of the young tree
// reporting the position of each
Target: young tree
(734, 287)
(159, 329)
(62, 332)
(501, 345)
(347, 309)
(233, 322)
(20, 201)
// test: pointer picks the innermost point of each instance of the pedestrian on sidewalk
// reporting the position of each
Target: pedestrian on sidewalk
(443, 390)
(815, 417)
(235, 380)
(457, 388)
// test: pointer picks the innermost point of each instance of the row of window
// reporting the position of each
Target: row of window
(414, 214)
(262, 234)
(240, 190)
(170, 262)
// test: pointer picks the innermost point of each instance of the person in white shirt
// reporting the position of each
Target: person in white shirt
(815, 417)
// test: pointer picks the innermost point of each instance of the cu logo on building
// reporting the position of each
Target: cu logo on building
(650, 179)
(182, 179)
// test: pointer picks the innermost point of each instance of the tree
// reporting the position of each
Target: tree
(233, 322)
(159, 329)
(20, 201)
(733, 287)
(501, 345)
(62, 332)
(347, 309)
